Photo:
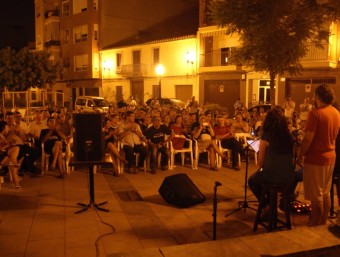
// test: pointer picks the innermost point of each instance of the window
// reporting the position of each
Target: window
(119, 93)
(66, 33)
(95, 31)
(65, 8)
(155, 55)
(80, 34)
(119, 60)
(95, 4)
(67, 63)
(37, 10)
(81, 62)
(226, 53)
(79, 6)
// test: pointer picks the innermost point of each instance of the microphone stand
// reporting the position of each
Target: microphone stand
(244, 204)
(217, 184)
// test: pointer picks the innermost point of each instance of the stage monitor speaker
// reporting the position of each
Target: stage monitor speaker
(89, 141)
(179, 190)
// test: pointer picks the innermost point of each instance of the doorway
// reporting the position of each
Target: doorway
(264, 91)
(137, 91)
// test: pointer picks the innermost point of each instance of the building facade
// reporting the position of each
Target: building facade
(111, 49)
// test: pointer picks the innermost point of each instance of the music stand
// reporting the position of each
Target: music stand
(92, 202)
(244, 204)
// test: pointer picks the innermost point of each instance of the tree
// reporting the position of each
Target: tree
(24, 69)
(275, 33)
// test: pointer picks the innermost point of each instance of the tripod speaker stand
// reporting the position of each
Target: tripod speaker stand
(244, 204)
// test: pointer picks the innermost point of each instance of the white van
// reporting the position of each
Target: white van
(91, 104)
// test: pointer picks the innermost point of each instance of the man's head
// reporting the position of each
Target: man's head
(156, 121)
(130, 116)
(220, 120)
(10, 118)
(324, 94)
(51, 122)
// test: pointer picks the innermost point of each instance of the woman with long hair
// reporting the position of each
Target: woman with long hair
(275, 158)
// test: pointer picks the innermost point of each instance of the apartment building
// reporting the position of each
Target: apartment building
(75, 32)
(224, 82)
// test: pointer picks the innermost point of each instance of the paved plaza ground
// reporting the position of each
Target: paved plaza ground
(40, 219)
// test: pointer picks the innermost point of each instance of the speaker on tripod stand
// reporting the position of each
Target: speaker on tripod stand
(89, 141)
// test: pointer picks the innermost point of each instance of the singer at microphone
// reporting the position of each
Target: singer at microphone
(275, 158)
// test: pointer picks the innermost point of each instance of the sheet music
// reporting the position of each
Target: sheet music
(254, 144)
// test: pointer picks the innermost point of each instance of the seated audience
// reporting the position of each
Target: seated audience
(9, 155)
(18, 137)
(157, 136)
(223, 131)
(204, 134)
(130, 135)
(111, 139)
(53, 139)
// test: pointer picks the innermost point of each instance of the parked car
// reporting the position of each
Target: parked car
(266, 107)
(90, 103)
(173, 102)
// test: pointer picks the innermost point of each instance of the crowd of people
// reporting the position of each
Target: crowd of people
(147, 130)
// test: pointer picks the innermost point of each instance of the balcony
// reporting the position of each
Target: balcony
(320, 57)
(52, 13)
(52, 43)
(218, 60)
(135, 70)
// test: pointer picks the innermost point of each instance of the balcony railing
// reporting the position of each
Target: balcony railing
(52, 13)
(135, 70)
(317, 54)
(325, 54)
(215, 58)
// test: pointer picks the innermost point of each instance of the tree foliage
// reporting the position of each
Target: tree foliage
(275, 33)
(24, 69)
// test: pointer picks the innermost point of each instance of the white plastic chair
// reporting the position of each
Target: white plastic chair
(197, 153)
(67, 155)
(224, 150)
(182, 151)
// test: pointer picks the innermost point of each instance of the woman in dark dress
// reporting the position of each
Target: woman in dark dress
(275, 158)
(111, 140)
(53, 139)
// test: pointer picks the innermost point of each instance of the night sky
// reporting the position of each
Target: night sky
(16, 23)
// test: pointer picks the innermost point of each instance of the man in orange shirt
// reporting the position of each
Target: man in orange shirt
(317, 153)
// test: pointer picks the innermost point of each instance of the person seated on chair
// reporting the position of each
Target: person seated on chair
(35, 128)
(9, 155)
(52, 138)
(204, 134)
(239, 125)
(275, 158)
(179, 129)
(223, 131)
(18, 137)
(111, 139)
(156, 136)
(130, 135)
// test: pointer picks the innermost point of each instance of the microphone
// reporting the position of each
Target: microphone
(217, 184)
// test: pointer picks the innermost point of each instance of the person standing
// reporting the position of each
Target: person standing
(317, 153)
(289, 107)
(238, 106)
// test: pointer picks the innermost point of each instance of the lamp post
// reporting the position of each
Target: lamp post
(159, 69)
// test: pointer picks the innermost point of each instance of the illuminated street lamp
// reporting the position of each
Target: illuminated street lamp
(159, 69)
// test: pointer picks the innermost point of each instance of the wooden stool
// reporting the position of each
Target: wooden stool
(271, 190)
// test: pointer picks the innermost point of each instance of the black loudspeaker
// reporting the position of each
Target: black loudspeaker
(89, 141)
(179, 190)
